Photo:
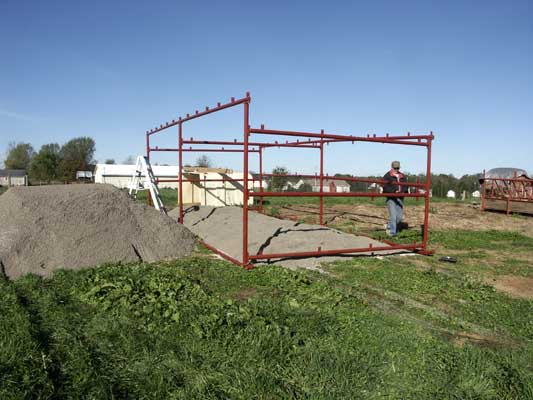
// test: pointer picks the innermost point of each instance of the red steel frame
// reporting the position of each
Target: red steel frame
(511, 190)
(302, 140)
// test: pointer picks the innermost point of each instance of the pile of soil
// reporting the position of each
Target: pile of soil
(222, 228)
(73, 226)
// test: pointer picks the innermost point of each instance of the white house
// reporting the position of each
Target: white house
(84, 175)
(374, 187)
(13, 177)
(202, 186)
(450, 194)
(331, 185)
(257, 182)
(476, 194)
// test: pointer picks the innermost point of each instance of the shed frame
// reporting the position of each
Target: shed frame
(304, 140)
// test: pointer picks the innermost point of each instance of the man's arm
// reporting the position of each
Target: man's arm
(388, 187)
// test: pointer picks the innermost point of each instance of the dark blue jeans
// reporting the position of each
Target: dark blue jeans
(395, 207)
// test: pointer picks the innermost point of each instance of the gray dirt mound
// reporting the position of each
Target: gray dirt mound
(73, 226)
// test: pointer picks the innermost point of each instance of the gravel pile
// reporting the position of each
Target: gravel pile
(73, 226)
(222, 228)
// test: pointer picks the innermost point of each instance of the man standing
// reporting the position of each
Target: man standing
(394, 204)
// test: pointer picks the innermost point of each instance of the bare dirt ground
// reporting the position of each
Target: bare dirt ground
(442, 216)
(515, 286)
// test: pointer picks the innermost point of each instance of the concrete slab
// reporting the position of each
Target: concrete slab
(222, 228)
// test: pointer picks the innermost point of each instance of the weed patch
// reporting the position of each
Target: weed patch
(202, 328)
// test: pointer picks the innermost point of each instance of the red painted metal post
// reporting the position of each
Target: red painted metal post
(148, 146)
(180, 168)
(483, 190)
(245, 259)
(510, 193)
(426, 197)
(148, 198)
(261, 177)
(322, 178)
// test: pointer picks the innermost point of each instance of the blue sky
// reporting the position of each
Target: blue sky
(113, 69)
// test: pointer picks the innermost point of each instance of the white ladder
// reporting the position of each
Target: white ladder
(143, 179)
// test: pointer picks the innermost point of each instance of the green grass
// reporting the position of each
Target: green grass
(202, 328)
(169, 196)
(492, 239)
(170, 200)
(279, 201)
(467, 299)
(23, 355)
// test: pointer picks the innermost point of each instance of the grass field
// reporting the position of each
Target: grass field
(392, 328)
(170, 200)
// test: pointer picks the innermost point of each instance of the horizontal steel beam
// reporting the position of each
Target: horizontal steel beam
(335, 194)
(205, 150)
(348, 138)
(198, 114)
(334, 252)
(350, 179)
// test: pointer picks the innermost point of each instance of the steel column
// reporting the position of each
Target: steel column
(426, 197)
(148, 198)
(180, 170)
(261, 177)
(246, 133)
(322, 178)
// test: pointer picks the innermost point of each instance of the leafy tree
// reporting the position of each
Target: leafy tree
(110, 161)
(278, 182)
(306, 187)
(468, 183)
(19, 156)
(76, 155)
(130, 160)
(45, 164)
(203, 161)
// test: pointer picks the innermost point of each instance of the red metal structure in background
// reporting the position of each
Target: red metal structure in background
(507, 194)
(304, 140)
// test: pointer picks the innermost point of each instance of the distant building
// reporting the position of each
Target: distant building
(374, 187)
(334, 186)
(450, 194)
(202, 186)
(476, 194)
(120, 175)
(84, 176)
(257, 182)
(13, 177)
(329, 185)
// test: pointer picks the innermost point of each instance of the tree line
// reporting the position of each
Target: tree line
(52, 162)
(440, 183)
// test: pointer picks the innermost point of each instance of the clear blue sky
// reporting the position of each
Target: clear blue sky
(112, 69)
